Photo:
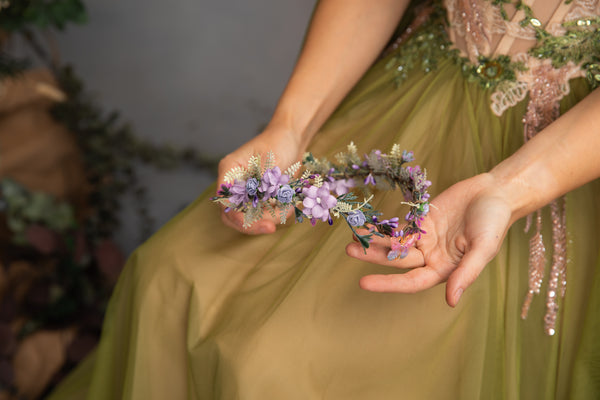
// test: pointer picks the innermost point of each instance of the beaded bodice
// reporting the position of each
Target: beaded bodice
(547, 40)
(488, 27)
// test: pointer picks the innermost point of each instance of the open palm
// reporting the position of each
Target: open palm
(465, 229)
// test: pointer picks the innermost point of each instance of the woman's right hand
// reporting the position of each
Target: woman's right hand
(286, 146)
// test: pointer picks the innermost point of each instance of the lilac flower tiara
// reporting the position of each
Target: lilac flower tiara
(323, 192)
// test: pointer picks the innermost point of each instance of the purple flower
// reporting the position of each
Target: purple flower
(341, 186)
(238, 193)
(285, 194)
(318, 201)
(370, 180)
(393, 222)
(271, 181)
(356, 218)
(423, 209)
(252, 186)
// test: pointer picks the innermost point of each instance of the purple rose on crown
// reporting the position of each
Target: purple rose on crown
(285, 194)
(251, 186)
(356, 218)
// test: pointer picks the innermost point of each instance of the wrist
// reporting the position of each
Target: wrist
(298, 125)
(524, 186)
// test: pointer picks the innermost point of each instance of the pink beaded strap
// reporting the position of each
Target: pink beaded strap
(546, 89)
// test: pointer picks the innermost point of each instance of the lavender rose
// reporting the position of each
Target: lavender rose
(251, 186)
(285, 194)
(356, 218)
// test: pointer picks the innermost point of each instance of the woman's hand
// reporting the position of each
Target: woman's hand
(287, 149)
(465, 229)
(467, 222)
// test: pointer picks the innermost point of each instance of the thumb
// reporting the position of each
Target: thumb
(226, 164)
(469, 268)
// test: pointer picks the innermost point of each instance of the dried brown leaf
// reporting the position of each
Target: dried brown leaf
(38, 357)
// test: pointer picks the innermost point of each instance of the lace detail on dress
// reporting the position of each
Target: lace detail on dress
(507, 95)
(583, 9)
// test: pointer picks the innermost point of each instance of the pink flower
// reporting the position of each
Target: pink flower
(318, 201)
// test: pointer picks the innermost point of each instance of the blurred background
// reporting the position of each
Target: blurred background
(113, 115)
(187, 72)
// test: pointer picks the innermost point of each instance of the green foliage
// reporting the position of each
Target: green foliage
(580, 45)
(23, 208)
(25, 14)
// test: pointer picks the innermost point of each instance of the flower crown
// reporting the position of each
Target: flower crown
(323, 192)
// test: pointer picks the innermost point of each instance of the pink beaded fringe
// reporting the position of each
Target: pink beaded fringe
(542, 109)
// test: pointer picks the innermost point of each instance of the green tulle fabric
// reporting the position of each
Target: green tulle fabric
(203, 312)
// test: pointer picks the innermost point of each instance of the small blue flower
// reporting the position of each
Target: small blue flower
(407, 156)
(285, 194)
(356, 218)
(252, 186)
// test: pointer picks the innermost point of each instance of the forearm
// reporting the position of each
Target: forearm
(343, 40)
(562, 157)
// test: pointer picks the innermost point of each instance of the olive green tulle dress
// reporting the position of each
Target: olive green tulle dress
(204, 312)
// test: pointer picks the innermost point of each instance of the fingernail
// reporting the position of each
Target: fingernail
(457, 295)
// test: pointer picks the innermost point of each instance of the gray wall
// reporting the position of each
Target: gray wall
(189, 72)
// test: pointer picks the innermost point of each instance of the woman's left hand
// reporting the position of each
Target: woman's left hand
(465, 228)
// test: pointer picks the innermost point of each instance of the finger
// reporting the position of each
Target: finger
(235, 220)
(378, 254)
(469, 268)
(229, 220)
(376, 239)
(412, 281)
